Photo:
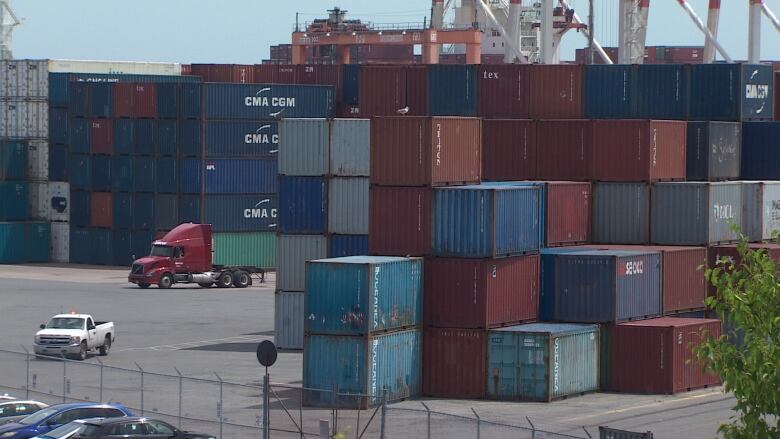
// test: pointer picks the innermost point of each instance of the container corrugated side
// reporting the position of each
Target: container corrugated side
(13, 201)
(361, 365)
(609, 91)
(123, 210)
(347, 245)
(377, 293)
(452, 90)
(542, 362)
(564, 150)
(24, 119)
(292, 252)
(24, 79)
(38, 200)
(400, 221)
(143, 211)
(239, 176)
(60, 242)
(266, 101)
(662, 91)
(509, 150)
(13, 161)
(241, 139)
(761, 210)
(304, 147)
(567, 213)
(713, 151)
(547, 279)
(245, 249)
(731, 92)
(166, 211)
(241, 213)
(288, 319)
(502, 91)
(556, 92)
(454, 362)
(759, 151)
(350, 147)
(621, 213)
(38, 160)
(303, 204)
(348, 206)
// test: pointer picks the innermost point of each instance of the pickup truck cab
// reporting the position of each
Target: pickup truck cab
(48, 419)
(73, 335)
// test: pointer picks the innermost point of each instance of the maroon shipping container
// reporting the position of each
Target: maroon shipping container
(101, 209)
(322, 74)
(502, 91)
(652, 356)
(399, 221)
(564, 150)
(386, 89)
(135, 100)
(454, 362)
(235, 73)
(425, 151)
(730, 252)
(101, 136)
(638, 150)
(555, 91)
(481, 293)
(568, 216)
(508, 150)
(186, 69)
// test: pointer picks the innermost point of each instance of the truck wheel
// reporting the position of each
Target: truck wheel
(143, 285)
(83, 351)
(205, 284)
(241, 279)
(166, 280)
(106, 346)
(226, 280)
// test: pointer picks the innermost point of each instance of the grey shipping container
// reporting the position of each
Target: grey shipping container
(621, 213)
(24, 79)
(24, 119)
(714, 150)
(761, 209)
(348, 206)
(38, 200)
(288, 319)
(292, 252)
(690, 213)
(350, 147)
(304, 147)
(60, 242)
(38, 160)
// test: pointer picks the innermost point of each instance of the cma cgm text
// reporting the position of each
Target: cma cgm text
(268, 101)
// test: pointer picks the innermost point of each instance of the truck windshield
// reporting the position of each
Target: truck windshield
(162, 250)
(65, 323)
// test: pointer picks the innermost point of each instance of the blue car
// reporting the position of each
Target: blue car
(52, 417)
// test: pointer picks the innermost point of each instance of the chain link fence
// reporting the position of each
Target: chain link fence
(232, 410)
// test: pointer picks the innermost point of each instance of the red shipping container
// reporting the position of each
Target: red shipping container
(417, 90)
(555, 91)
(568, 216)
(101, 209)
(399, 221)
(652, 356)
(502, 91)
(201, 70)
(186, 69)
(564, 150)
(639, 150)
(508, 149)
(731, 253)
(386, 89)
(481, 293)
(101, 136)
(135, 100)
(265, 73)
(286, 74)
(454, 363)
(425, 151)
(322, 74)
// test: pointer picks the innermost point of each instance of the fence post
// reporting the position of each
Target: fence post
(64, 377)
(533, 429)
(383, 414)
(300, 412)
(219, 404)
(142, 387)
(27, 379)
(100, 398)
(479, 421)
(266, 402)
(180, 392)
(336, 404)
(428, 411)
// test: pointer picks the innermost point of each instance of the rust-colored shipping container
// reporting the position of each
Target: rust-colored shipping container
(322, 74)
(652, 356)
(399, 221)
(454, 362)
(135, 99)
(564, 150)
(508, 149)
(386, 89)
(481, 293)
(101, 209)
(568, 213)
(425, 151)
(639, 150)
(731, 253)
(101, 136)
(233, 73)
(502, 91)
(555, 91)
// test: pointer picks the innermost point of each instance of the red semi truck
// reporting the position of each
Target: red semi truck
(183, 255)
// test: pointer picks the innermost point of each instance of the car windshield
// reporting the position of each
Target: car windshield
(66, 429)
(38, 416)
(65, 323)
(162, 250)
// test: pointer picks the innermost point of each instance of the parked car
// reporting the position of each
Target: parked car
(6, 397)
(46, 420)
(74, 335)
(68, 430)
(13, 410)
(135, 428)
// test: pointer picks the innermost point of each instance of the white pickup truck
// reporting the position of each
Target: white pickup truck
(73, 335)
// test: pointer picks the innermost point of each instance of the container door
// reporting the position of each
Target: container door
(503, 367)
(533, 363)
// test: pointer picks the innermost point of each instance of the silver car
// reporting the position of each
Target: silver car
(68, 430)
(14, 410)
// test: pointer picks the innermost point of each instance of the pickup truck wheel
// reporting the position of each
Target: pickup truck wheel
(83, 351)
(226, 280)
(106, 346)
(241, 279)
(166, 280)
(143, 285)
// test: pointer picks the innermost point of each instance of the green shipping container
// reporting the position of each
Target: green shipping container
(13, 160)
(248, 249)
(24, 242)
(38, 240)
(542, 361)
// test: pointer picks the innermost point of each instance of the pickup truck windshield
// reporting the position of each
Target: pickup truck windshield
(162, 250)
(65, 323)
(38, 416)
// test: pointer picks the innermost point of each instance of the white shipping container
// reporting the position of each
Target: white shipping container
(350, 147)
(761, 209)
(38, 160)
(24, 119)
(60, 242)
(24, 79)
(123, 67)
(304, 147)
(288, 319)
(59, 201)
(348, 206)
(292, 252)
(38, 200)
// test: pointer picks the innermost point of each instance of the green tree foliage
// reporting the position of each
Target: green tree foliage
(747, 355)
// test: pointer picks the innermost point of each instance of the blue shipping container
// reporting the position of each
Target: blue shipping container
(13, 160)
(143, 211)
(166, 211)
(101, 247)
(141, 243)
(24, 242)
(79, 135)
(143, 136)
(340, 246)
(167, 135)
(101, 99)
(11, 243)
(486, 221)
(190, 98)
(78, 99)
(547, 279)
(80, 209)
(267, 101)
(122, 173)
(100, 172)
(79, 170)
(662, 91)
(37, 242)
(303, 204)
(123, 210)
(608, 91)
(362, 365)
(759, 151)
(123, 136)
(358, 295)
(120, 248)
(143, 174)
(58, 163)
(58, 126)
(167, 175)
(189, 176)
(189, 209)
(452, 90)
(239, 176)
(189, 138)
(604, 286)
(80, 246)
(241, 139)
(241, 213)
(350, 87)
(731, 92)
(59, 91)
(168, 101)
